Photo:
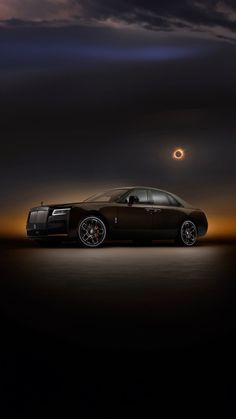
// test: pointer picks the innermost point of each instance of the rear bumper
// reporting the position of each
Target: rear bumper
(203, 226)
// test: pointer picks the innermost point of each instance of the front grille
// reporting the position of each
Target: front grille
(41, 223)
(38, 217)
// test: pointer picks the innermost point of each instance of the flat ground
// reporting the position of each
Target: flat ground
(118, 331)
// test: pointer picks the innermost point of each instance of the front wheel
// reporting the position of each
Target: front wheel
(92, 232)
(188, 234)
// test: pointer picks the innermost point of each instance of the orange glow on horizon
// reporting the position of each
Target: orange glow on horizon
(12, 226)
(222, 226)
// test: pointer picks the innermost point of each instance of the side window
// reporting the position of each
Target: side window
(160, 198)
(141, 195)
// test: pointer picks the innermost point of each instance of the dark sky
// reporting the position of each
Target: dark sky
(96, 94)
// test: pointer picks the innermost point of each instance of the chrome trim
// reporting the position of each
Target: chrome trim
(60, 211)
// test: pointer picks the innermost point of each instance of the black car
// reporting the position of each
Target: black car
(136, 213)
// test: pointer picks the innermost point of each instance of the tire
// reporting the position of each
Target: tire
(91, 232)
(187, 234)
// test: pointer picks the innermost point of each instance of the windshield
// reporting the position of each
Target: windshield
(109, 196)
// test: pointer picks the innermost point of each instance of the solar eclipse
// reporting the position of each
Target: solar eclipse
(178, 154)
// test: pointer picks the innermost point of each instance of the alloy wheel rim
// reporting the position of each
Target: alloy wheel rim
(188, 233)
(92, 231)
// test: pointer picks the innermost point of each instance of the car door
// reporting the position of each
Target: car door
(135, 219)
(167, 215)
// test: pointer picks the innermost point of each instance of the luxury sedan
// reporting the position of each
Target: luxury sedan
(132, 213)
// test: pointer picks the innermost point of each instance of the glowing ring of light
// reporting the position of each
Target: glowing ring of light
(178, 154)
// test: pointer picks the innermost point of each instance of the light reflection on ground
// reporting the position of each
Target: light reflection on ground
(121, 296)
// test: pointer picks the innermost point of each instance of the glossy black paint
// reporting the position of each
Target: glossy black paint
(123, 220)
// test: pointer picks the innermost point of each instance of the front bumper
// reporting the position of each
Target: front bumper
(41, 224)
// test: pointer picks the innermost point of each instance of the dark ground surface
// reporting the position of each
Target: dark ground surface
(118, 331)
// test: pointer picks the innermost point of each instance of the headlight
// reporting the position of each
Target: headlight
(61, 211)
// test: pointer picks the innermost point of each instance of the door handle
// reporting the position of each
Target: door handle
(149, 211)
(157, 210)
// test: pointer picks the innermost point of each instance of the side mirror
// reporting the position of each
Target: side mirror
(133, 200)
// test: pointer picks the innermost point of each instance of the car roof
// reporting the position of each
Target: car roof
(139, 187)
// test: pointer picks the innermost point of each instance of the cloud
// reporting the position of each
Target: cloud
(38, 10)
(215, 17)
(212, 16)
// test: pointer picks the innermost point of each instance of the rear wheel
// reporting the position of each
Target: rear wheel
(188, 234)
(92, 232)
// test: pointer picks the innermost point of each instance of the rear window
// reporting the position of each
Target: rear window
(162, 198)
(173, 201)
